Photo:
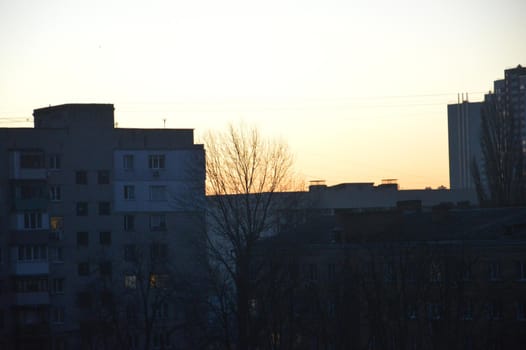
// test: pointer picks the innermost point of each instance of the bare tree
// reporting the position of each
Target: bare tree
(244, 173)
(502, 157)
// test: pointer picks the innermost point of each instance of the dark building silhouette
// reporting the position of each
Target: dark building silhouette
(403, 278)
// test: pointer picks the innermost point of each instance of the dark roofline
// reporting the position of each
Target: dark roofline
(73, 106)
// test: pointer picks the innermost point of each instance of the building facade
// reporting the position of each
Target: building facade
(96, 221)
(464, 121)
(464, 126)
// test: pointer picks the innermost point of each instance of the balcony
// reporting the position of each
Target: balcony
(30, 204)
(33, 298)
(30, 221)
(22, 268)
(27, 165)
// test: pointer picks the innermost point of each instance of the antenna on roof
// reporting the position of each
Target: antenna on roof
(164, 122)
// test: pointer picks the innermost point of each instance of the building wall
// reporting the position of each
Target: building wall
(464, 121)
(82, 224)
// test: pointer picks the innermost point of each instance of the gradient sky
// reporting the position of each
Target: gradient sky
(359, 89)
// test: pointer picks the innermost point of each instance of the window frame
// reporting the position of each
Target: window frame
(55, 193)
(157, 161)
(128, 161)
(81, 177)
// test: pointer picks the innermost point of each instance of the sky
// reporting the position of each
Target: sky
(358, 89)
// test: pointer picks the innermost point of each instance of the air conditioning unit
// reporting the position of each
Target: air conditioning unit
(156, 173)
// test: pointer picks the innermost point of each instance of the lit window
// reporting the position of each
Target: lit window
(130, 281)
(156, 161)
(56, 223)
(159, 280)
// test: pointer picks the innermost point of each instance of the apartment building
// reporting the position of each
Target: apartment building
(464, 126)
(95, 222)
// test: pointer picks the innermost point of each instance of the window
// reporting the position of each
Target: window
(104, 208)
(103, 177)
(331, 273)
(32, 252)
(467, 274)
(81, 177)
(55, 161)
(56, 223)
(84, 300)
(434, 311)
(157, 222)
(494, 271)
(161, 340)
(55, 193)
(57, 286)
(57, 315)
(412, 312)
(127, 162)
(389, 276)
(31, 160)
(159, 280)
(82, 239)
(467, 310)
(435, 272)
(156, 161)
(521, 311)
(129, 192)
(129, 222)
(56, 254)
(105, 238)
(494, 310)
(105, 268)
(130, 252)
(158, 251)
(521, 270)
(82, 208)
(157, 193)
(32, 220)
(313, 272)
(164, 311)
(83, 269)
(31, 284)
(130, 281)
